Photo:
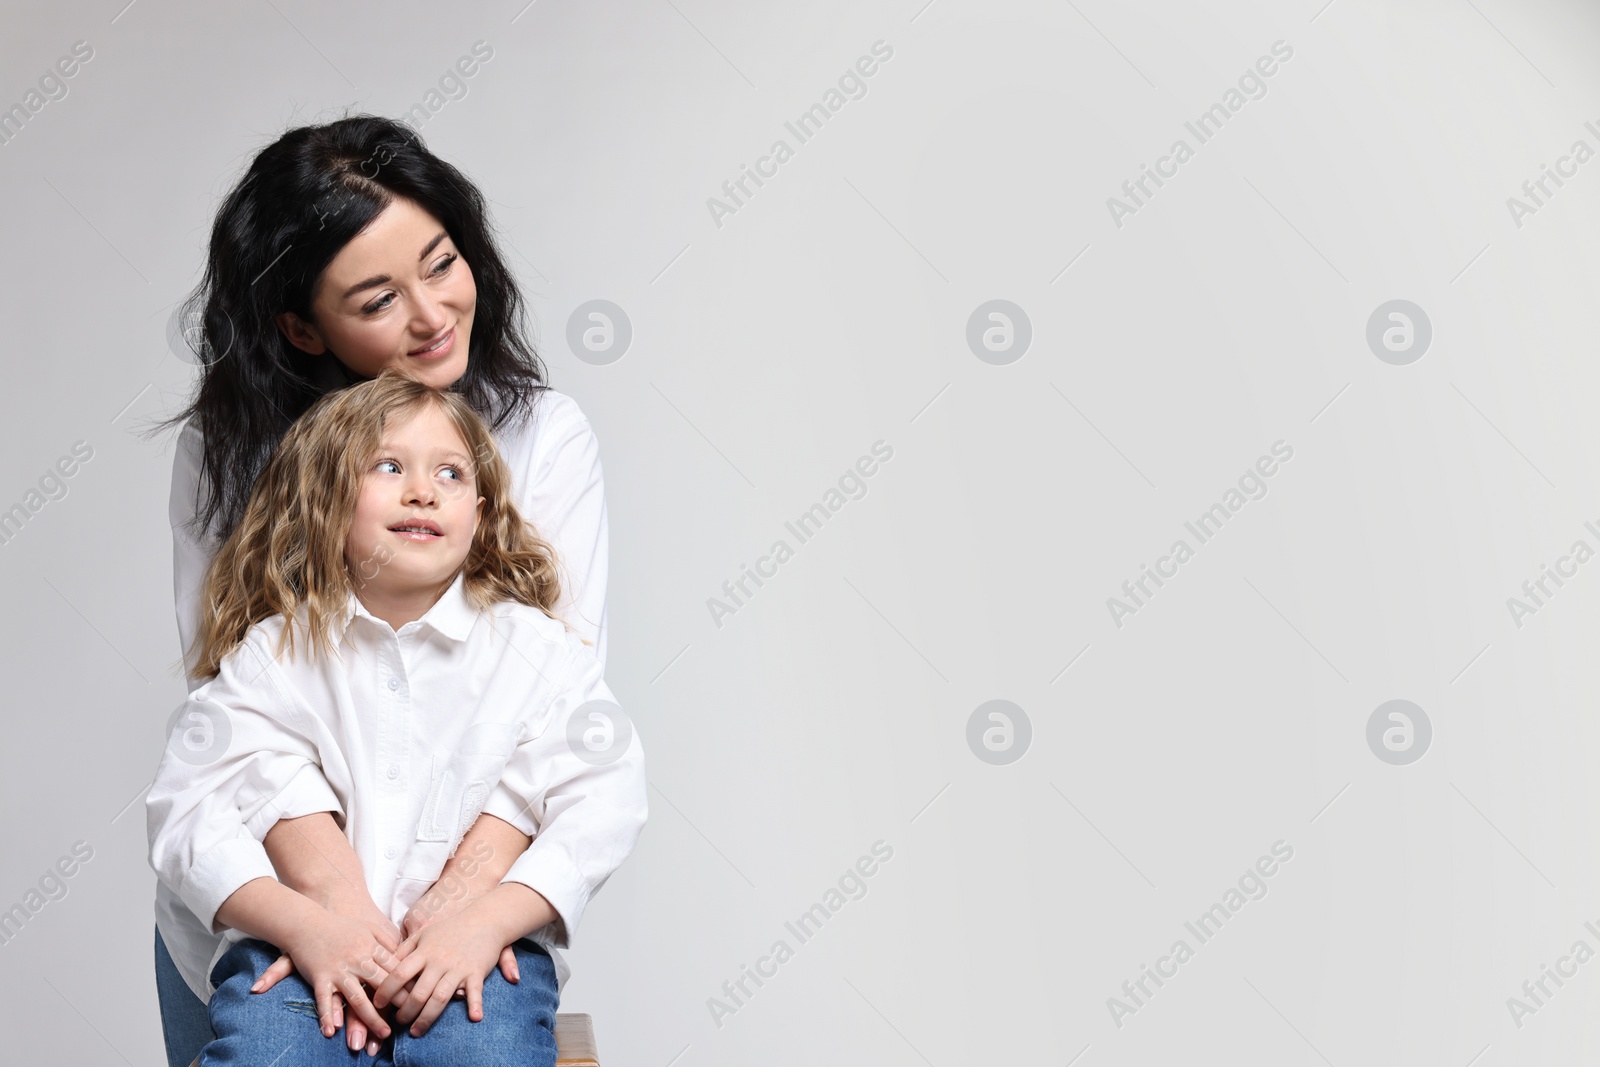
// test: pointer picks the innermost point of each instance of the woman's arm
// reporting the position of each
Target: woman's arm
(484, 856)
(560, 488)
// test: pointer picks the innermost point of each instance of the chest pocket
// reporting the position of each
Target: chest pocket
(461, 781)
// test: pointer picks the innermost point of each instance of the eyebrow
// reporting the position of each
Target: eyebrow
(384, 279)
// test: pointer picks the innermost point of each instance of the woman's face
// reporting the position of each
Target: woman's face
(398, 295)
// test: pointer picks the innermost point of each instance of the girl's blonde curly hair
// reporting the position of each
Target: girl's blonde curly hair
(289, 547)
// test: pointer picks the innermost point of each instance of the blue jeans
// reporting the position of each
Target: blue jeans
(518, 1027)
(185, 1023)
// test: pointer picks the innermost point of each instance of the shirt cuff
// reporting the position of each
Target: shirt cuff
(552, 875)
(219, 873)
(505, 804)
(307, 793)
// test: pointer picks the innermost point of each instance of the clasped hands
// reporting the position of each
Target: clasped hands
(442, 951)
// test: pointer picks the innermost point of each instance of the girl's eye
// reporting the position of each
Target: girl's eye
(454, 472)
(382, 463)
(446, 263)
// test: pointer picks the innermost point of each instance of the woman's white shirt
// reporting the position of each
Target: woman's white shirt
(406, 736)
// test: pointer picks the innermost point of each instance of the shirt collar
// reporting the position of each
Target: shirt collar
(452, 615)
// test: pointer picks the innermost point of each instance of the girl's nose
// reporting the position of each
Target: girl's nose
(419, 491)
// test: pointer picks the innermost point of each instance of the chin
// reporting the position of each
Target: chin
(442, 377)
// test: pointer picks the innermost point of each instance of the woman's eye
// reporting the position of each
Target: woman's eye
(445, 264)
(378, 304)
(382, 463)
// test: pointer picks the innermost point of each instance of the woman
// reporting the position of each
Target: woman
(345, 249)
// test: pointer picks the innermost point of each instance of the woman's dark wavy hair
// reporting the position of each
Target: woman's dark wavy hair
(302, 199)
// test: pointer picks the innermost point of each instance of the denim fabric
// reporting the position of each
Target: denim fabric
(184, 1021)
(280, 1027)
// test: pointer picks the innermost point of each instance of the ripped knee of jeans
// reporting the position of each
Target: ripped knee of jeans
(304, 1007)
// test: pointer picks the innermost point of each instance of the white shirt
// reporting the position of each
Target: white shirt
(407, 736)
(557, 480)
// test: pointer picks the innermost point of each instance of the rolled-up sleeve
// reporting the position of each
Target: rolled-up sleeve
(584, 815)
(236, 747)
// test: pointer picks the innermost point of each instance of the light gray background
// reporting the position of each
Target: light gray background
(768, 354)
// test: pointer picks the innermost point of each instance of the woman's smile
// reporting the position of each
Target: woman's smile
(438, 348)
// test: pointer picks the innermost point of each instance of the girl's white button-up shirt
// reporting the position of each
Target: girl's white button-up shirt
(558, 482)
(406, 736)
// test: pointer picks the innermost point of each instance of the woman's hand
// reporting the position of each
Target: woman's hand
(446, 954)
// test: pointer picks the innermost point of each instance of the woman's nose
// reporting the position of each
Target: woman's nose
(430, 315)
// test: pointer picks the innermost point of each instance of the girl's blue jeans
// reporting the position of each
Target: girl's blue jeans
(280, 1026)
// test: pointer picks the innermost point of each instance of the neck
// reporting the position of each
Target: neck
(398, 606)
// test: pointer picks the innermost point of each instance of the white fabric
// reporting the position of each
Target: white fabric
(406, 736)
(558, 485)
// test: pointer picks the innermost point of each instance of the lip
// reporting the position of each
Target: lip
(433, 531)
(448, 339)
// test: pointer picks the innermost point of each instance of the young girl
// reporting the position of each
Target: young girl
(379, 636)
(347, 248)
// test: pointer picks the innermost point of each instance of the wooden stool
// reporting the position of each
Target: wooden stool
(574, 1041)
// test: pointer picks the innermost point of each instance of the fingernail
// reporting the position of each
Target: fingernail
(372, 1048)
(257, 987)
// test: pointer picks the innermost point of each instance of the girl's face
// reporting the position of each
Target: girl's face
(397, 295)
(417, 511)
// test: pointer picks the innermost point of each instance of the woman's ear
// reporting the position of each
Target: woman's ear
(300, 333)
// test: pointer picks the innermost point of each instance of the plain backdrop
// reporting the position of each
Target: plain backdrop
(1172, 344)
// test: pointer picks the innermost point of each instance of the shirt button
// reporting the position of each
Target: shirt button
(388, 853)
(394, 770)
(394, 683)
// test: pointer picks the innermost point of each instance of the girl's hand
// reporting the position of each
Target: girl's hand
(358, 906)
(450, 896)
(334, 955)
(445, 954)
